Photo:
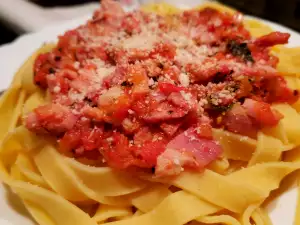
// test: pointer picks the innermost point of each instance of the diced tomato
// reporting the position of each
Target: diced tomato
(168, 88)
(149, 152)
(91, 138)
(261, 112)
(164, 111)
(70, 141)
(140, 108)
(118, 110)
(67, 41)
(279, 91)
(244, 88)
(173, 72)
(52, 118)
(118, 156)
(131, 24)
(58, 84)
(99, 52)
(94, 113)
(187, 150)
(204, 130)
(274, 38)
(42, 67)
(237, 120)
(110, 11)
(166, 50)
(137, 75)
(191, 119)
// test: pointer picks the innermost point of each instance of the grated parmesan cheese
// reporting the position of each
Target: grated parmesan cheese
(187, 96)
(144, 41)
(184, 79)
(56, 89)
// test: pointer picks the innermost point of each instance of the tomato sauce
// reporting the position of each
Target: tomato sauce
(144, 91)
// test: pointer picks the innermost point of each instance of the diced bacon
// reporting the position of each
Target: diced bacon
(142, 136)
(52, 118)
(202, 36)
(130, 126)
(93, 113)
(110, 96)
(170, 128)
(152, 68)
(80, 85)
(274, 38)
(186, 150)
(261, 112)
(178, 100)
(259, 71)
(116, 78)
(237, 120)
(164, 111)
(158, 96)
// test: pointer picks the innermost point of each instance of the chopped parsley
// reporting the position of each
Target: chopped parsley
(240, 50)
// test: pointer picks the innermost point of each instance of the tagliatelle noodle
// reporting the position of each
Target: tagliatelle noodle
(53, 186)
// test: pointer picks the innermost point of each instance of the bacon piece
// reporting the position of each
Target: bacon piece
(274, 38)
(93, 113)
(52, 118)
(170, 128)
(144, 134)
(178, 100)
(109, 97)
(186, 150)
(237, 120)
(130, 126)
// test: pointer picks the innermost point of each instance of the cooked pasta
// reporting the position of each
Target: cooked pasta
(58, 186)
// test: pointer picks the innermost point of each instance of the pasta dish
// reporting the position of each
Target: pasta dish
(157, 116)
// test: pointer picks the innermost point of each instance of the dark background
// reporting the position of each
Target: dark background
(286, 12)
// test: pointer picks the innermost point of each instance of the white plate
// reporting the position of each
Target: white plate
(11, 57)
